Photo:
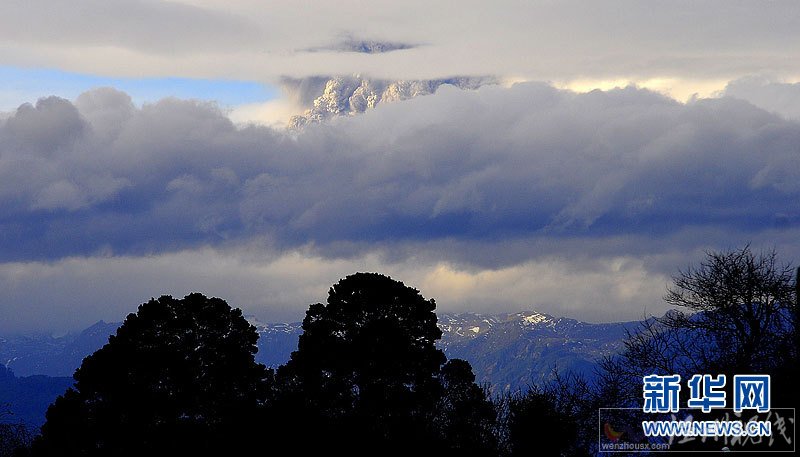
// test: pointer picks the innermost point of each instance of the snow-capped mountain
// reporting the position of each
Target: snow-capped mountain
(507, 351)
(349, 95)
(513, 351)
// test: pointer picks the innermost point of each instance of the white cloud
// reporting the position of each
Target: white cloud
(776, 96)
(675, 42)
(149, 26)
(274, 113)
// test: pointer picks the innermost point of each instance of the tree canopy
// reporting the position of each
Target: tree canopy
(739, 302)
(179, 376)
(367, 372)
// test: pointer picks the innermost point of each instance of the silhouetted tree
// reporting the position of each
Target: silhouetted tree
(15, 436)
(537, 426)
(367, 375)
(555, 418)
(741, 301)
(736, 315)
(464, 416)
(178, 378)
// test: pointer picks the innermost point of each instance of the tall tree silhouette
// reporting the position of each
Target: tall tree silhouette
(179, 377)
(465, 418)
(366, 375)
(740, 300)
(736, 315)
(536, 426)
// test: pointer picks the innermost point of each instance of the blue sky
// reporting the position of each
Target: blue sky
(20, 85)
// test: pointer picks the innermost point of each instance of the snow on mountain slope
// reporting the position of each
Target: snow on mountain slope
(507, 351)
(514, 351)
(349, 95)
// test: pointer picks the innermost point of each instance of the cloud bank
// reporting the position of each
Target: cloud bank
(485, 165)
(148, 26)
(775, 96)
(536, 40)
(604, 194)
(72, 293)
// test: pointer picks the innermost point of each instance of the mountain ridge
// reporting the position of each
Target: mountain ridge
(508, 351)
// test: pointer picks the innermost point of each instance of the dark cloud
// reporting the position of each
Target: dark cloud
(482, 169)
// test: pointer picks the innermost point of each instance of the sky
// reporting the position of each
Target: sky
(564, 156)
